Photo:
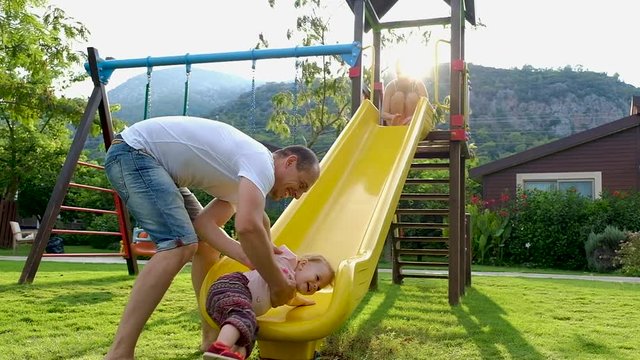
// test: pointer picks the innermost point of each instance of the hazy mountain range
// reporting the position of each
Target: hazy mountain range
(207, 91)
(511, 109)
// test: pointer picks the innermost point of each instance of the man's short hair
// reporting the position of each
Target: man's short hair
(307, 159)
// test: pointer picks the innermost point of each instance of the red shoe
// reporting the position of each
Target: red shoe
(218, 350)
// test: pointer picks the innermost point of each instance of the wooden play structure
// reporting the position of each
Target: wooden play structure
(430, 229)
(370, 189)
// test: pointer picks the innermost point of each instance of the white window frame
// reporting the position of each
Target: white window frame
(595, 176)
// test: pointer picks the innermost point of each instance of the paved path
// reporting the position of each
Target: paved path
(119, 260)
(620, 279)
(86, 260)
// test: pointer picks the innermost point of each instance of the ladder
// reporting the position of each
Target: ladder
(421, 245)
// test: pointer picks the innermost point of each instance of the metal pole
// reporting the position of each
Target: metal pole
(349, 53)
(356, 71)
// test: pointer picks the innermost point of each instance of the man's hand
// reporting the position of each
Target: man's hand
(281, 295)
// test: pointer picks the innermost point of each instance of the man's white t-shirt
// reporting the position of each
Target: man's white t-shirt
(204, 154)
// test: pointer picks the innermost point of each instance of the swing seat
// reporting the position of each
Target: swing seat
(145, 248)
(142, 244)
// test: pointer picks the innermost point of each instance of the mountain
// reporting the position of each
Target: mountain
(515, 109)
(207, 90)
(511, 109)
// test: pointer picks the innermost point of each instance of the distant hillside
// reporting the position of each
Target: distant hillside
(511, 109)
(207, 90)
(515, 109)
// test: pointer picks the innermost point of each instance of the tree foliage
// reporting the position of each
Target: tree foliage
(319, 104)
(36, 59)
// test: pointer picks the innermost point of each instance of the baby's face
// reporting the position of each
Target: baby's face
(311, 276)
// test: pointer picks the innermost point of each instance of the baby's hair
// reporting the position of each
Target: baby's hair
(317, 258)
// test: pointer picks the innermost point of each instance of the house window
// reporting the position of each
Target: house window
(588, 184)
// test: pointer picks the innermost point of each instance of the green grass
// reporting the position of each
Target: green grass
(71, 311)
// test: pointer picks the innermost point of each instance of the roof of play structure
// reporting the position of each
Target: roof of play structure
(376, 9)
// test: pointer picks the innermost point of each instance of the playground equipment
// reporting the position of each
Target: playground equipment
(439, 212)
(101, 71)
(364, 175)
(345, 216)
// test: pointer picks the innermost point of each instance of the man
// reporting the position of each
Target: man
(152, 163)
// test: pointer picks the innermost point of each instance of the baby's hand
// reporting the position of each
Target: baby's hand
(300, 301)
(276, 249)
(396, 120)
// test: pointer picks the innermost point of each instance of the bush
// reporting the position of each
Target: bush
(490, 231)
(548, 230)
(629, 255)
(104, 223)
(601, 249)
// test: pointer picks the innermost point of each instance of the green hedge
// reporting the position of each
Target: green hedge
(549, 229)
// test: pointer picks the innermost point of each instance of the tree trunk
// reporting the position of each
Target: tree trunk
(7, 213)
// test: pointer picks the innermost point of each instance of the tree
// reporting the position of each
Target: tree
(319, 106)
(36, 59)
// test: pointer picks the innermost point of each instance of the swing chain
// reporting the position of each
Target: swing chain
(296, 88)
(253, 97)
(147, 92)
(185, 108)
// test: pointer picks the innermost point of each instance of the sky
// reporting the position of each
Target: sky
(594, 35)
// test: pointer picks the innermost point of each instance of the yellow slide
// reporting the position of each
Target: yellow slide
(345, 217)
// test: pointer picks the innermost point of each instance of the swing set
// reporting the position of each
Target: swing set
(100, 71)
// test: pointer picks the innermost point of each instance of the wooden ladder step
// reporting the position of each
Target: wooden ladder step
(421, 239)
(432, 151)
(425, 276)
(426, 181)
(422, 263)
(430, 166)
(416, 225)
(441, 212)
(424, 197)
(444, 135)
(424, 252)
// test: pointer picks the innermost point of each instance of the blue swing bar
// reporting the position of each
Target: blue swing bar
(349, 53)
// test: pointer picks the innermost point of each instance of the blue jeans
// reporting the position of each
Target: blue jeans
(151, 196)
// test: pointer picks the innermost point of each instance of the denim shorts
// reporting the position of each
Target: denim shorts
(150, 194)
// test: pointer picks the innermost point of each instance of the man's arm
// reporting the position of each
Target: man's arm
(256, 241)
(208, 227)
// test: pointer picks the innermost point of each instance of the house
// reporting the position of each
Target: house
(606, 157)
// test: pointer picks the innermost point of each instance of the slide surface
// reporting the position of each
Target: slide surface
(345, 217)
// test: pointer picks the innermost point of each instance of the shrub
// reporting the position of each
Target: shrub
(629, 255)
(104, 223)
(548, 230)
(601, 249)
(490, 228)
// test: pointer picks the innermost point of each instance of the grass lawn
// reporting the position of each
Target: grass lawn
(72, 310)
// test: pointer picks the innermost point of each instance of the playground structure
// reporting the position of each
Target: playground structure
(354, 205)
